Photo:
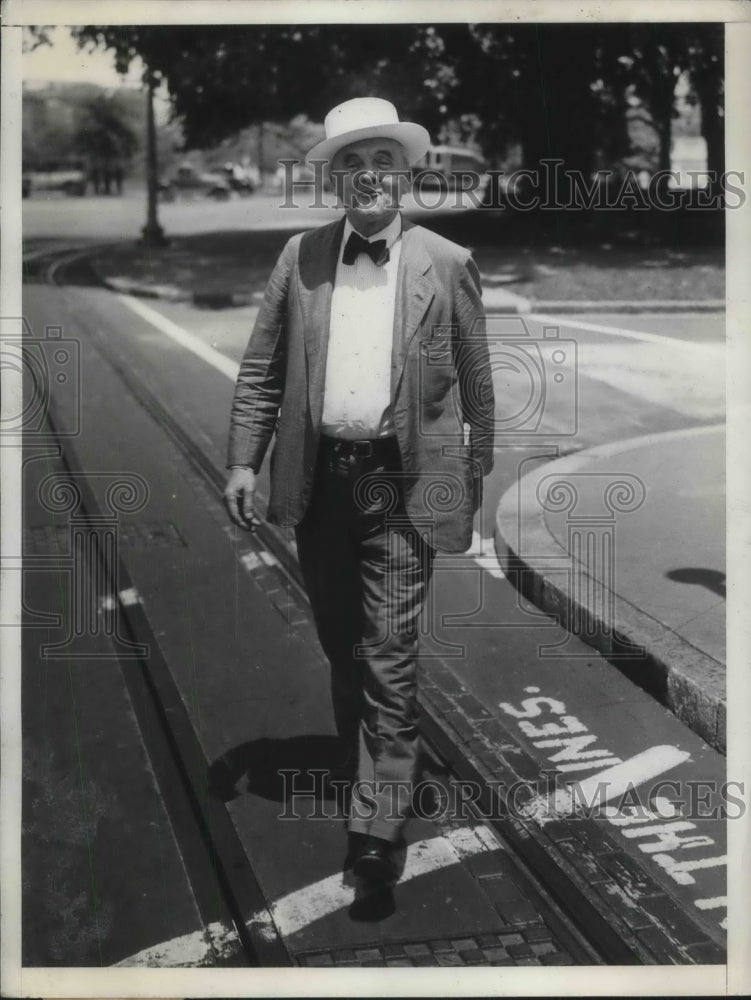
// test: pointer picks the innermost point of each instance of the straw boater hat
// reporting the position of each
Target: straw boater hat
(368, 118)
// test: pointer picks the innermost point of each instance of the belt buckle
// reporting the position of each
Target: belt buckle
(341, 459)
(362, 449)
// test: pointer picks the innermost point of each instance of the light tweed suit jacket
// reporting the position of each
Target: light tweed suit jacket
(440, 380)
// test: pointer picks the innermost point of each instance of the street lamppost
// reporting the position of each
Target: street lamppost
(152, 232)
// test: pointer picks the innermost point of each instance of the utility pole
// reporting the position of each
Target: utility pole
(152, 232)
(260, 153)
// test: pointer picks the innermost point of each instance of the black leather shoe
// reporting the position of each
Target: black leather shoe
(355, 842)
(374, 861)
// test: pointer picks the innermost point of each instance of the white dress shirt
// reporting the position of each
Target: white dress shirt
(357, 393)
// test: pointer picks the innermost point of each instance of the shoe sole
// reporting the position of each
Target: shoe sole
(374, 869)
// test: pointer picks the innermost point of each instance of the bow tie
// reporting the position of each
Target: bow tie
(356, 244)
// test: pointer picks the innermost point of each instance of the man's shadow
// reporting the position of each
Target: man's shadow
(259, 767)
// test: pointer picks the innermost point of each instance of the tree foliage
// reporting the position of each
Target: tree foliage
(103, 133)
(556, 90)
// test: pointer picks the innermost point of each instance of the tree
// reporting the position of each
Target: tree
(703, 59)
(222, 78)
(103, 134)
(35, 35)
(557, 90)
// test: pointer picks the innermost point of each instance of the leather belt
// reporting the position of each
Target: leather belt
(359, 451)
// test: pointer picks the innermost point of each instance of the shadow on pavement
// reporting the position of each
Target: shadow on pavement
(257, 767)
(712, 579)
(372, 903)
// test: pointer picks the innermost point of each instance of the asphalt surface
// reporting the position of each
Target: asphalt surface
(510, 661)
(123, 217)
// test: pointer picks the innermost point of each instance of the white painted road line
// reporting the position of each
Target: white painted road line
(200, 948)
(296, 910)
(302, 907)
(610, 784)
(130, 597)
(230, 368)
(617, 331)
(482, 551)
(635, 771)
(187, 340)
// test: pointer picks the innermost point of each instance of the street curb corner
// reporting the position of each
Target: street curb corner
(499, 300)
(171, 293)
(624, 306)
(688, 681)
(127, 286)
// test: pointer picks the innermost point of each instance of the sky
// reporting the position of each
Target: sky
(63, 61)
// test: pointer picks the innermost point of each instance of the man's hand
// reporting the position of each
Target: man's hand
(239, 494)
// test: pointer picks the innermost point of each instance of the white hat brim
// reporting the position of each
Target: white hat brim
(413, 137)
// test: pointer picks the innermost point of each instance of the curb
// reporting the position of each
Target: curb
(126, 286)
(499, 300)
(171, 293)
(496, 300)
(684, 678)
(646, 306)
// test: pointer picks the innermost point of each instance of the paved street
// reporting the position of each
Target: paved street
(103, 217)
(624, 376)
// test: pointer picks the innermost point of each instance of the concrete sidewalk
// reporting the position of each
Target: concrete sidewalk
(626, 545)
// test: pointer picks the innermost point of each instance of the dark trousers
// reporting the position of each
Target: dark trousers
(366, 570)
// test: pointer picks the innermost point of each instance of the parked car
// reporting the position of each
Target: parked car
(68, 176)
(440, 165)
(301, 175)
(243, 178)
(165, 189)
(189, 179)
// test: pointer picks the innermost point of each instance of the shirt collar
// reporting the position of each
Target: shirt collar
(390, 233)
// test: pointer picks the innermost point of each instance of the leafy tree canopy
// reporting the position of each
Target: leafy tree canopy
(559, 90)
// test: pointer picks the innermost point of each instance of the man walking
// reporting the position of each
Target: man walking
(369, 360)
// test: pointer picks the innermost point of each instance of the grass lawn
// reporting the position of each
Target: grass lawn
(605, 273)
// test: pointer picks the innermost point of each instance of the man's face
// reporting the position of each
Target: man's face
(364, 180)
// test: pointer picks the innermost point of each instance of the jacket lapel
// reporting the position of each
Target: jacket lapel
(319, 253)
(414, 293)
